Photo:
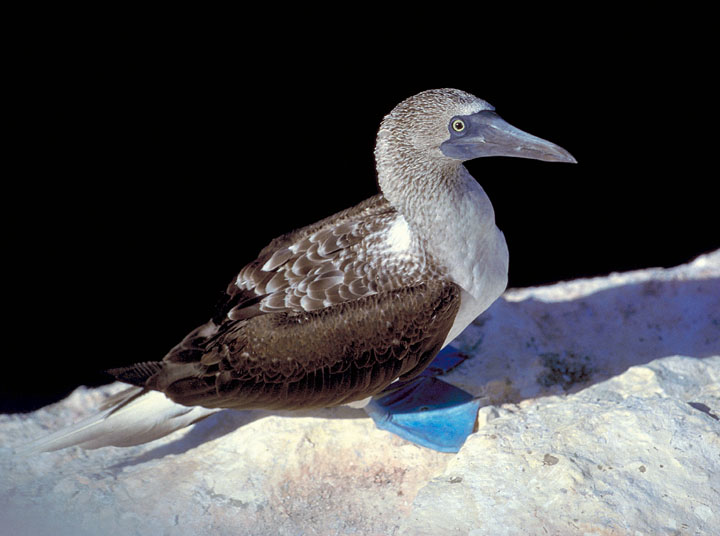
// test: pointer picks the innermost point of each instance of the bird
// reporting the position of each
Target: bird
(350, 307)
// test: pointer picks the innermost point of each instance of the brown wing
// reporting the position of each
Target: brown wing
(328, 263)
(290, 273)
(332, 356)
(369, 320)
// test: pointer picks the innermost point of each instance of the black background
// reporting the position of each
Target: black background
(154, 162)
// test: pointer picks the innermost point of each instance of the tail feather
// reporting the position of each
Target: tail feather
(138, 373)
(131, 417)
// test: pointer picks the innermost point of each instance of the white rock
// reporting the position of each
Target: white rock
(630, 455)
(602, 418)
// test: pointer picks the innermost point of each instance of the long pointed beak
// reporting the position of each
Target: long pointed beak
(488, 134)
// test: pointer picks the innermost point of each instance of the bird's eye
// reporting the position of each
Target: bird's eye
(458, 125)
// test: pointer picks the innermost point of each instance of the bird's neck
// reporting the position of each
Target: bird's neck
(446, 207)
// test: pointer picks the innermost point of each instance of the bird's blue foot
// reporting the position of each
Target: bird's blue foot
(427, 410)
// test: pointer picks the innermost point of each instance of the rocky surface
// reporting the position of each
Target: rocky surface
(602, 417)
(636, 454)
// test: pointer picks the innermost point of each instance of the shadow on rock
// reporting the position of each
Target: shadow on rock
(541, 342)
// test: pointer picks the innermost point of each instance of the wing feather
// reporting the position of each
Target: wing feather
(377, 313)
(355, 350)
(329, 263)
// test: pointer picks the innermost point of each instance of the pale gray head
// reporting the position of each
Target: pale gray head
(452, 124)
(423, 142)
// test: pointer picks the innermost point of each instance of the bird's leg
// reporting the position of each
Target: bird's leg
(426, 410)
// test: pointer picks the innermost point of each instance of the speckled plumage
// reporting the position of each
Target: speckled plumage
(325, 315)
(348, 256)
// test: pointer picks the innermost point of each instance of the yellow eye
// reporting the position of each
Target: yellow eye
(458, 125)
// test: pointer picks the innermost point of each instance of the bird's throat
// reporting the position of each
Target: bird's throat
(454, 218)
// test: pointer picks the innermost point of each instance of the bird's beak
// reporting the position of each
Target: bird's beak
(487, 134)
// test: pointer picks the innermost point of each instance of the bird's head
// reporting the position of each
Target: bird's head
(449, 124)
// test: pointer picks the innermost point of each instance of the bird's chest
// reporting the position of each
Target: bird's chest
(460, 232)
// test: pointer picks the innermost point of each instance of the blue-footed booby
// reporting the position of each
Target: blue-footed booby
(354, 306)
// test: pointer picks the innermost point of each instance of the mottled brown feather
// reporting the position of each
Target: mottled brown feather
(323, 316)
(354, 350)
